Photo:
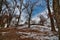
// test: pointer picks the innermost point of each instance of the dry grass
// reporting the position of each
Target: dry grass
(12, 35)
(12, 30)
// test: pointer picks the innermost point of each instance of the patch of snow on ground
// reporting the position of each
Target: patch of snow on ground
(50, 36)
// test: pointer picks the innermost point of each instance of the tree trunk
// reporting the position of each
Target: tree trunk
(0, 6)
(19, 18)
(30, 14)
(56, 8)
(29, 20)
(51, 17)
(9, 20)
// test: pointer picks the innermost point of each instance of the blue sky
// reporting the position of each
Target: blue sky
(40, 8)
(37, 9)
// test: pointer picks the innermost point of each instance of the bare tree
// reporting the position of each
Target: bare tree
(51, 17)
(0, 6)
(1, 3)
(29, 6)
(10, 16)
(20, 9)
(42, 19)
(56, 8)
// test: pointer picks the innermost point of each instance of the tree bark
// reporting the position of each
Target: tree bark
(56, 8)
(51, 17)
(0, 6)
(29, 20)
(30, 14)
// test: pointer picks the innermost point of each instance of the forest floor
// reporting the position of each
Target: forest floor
(24, 33)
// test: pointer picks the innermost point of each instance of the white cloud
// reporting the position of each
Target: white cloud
(44, 13)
